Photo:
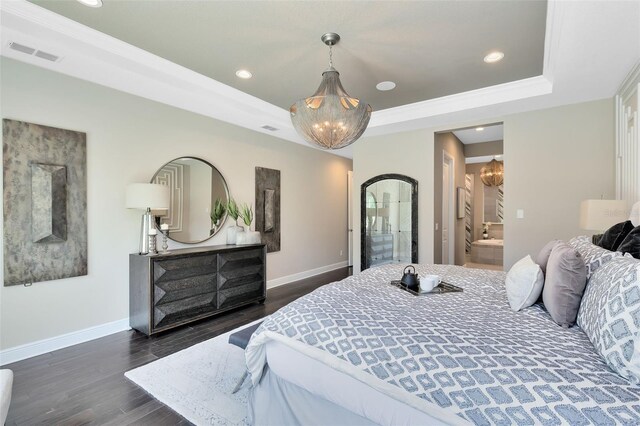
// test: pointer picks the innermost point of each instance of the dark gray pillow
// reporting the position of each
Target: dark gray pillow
(543, 257)
(631, 243)
(564, 284)
(614, 236)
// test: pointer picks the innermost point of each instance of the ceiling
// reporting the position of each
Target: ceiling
(475, 135)
(429, 49)
(588, 49)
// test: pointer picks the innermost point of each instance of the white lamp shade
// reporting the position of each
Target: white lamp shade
(600, 215)
(634, 217)
(147, 195)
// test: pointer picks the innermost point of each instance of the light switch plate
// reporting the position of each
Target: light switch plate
(520, 214)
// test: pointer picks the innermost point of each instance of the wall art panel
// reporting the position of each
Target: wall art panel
(268, 207)
(45, 203)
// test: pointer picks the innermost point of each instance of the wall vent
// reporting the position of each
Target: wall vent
(270, 128)
(34, 52)
(21, 48)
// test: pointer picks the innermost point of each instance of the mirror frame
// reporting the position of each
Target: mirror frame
(226, 190)
(363, 215)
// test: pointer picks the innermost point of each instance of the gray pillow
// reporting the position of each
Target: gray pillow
(543, 256)
(593, 256)
(564, 284)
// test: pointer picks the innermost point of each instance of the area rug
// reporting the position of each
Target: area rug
(197, 382)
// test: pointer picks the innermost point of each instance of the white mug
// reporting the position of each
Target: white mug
(429, 282)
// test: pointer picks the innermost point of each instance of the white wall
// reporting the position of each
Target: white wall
(128, 139)
(554, 159)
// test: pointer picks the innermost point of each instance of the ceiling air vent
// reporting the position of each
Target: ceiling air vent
(270, 128)
(21, 48)
(31, 51)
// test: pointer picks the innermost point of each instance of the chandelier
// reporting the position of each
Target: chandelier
(330, 118)
(493, 173)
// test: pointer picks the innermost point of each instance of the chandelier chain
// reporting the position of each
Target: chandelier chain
(331, 55)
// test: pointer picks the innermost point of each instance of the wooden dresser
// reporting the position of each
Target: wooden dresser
(168, 290)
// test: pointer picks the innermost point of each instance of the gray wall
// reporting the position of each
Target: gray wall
(451, 144)
(128, 139)
(484, 148)
(554, 159)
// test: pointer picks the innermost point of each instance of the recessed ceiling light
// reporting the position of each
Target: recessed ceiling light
(385, 85)
(91, 3)
(493, 57)
(479, 129)
(244, 74)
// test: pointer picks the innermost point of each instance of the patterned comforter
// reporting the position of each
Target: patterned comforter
(466, 352)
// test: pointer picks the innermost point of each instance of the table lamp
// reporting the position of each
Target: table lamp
(147, 197)
(600, 215)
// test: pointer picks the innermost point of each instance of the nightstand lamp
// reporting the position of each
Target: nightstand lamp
(600, 215)
(147, 197)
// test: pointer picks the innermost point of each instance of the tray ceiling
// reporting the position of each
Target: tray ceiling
(430, 49)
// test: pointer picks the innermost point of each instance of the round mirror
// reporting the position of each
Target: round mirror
(195, 186)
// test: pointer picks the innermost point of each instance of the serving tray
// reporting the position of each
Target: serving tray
(441, 288)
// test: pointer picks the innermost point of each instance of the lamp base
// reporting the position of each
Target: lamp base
(147, 218)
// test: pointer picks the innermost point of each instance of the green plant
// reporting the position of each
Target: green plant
(218, 211)
(246, 214)
(232, 208)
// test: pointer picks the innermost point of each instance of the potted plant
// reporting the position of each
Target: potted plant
(233, 231)
(218, 212)
(249, 236)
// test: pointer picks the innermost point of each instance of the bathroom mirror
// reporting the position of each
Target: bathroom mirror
(195, 185)
(389, 220)
(493, 204)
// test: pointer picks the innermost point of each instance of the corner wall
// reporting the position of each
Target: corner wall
(451, 144)
(128, 139)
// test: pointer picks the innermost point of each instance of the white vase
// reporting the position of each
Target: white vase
(248, 237)
(232, 234)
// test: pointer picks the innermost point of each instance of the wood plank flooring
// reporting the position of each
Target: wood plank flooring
(85, 383)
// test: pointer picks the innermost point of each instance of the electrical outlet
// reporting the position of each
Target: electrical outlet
(436, 226)
(520, 214)
(340, 252)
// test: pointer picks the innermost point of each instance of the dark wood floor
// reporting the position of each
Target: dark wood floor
(85, 383)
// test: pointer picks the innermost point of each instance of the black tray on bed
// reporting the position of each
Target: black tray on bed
(441, 288)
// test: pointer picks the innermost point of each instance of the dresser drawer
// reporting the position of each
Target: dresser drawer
(238, 269)
(169, 314)
(184, 267)
(240, 294)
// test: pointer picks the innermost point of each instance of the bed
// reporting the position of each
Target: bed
(361, 351)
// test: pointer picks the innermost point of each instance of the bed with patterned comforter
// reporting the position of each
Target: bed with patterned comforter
(464, 353)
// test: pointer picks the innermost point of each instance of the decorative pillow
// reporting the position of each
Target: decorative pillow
(524, 283)
(564, 284)
(593, 256)
(613, 237)
(543, 257)
(631, 243)
(610, 315)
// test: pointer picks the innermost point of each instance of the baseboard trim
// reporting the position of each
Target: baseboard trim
(276, 282)
(18, 353)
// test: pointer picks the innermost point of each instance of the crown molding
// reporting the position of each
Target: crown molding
(99, 58)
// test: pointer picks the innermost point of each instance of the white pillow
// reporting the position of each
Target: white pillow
(524, 283)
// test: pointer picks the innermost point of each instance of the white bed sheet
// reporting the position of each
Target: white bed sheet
(342, 389)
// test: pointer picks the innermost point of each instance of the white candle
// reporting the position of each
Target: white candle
(164, 227)
(152, 232)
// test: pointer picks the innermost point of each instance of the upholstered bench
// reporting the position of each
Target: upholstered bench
(6, 383)
(241, 339)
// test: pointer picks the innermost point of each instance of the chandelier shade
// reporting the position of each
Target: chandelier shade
(330, 118)
(493, 173)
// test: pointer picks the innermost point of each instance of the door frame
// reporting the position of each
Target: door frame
(448, 196)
